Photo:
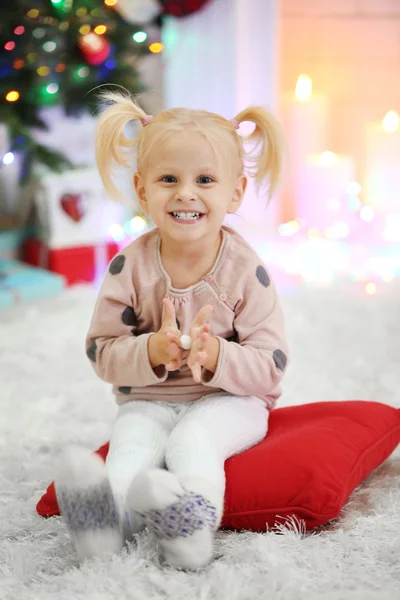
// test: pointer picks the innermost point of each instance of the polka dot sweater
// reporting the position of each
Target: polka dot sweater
(247, 319)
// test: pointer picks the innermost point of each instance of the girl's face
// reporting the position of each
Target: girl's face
(187, 190)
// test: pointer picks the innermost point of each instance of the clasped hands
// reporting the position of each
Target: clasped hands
(165, 348)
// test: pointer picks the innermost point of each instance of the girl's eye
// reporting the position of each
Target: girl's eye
(205, 179)
(168, 179)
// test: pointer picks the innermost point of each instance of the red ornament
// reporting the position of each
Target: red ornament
(181, 8)
(74, 205)
(95, 49)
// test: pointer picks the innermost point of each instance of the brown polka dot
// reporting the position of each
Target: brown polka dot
(173, 373)
(125, 389)
(280, 359)
(117, 264)
(263, 276)
(91, 351)
(128, 316)
(234, 337)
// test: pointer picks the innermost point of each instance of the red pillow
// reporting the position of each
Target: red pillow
(311, 460)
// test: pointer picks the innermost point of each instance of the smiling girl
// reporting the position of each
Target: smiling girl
(188, 329)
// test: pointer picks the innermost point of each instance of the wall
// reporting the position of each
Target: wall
(351, 50)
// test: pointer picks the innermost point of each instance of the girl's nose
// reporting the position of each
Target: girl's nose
(186, 194)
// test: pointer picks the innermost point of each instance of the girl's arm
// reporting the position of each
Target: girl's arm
(117, 354)
(256, 363)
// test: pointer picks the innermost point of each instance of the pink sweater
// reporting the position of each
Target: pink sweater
(247, 319)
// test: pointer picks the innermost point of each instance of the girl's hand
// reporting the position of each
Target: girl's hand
(164, 346)
(200, 333)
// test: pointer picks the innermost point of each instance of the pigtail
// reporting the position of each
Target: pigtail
(113, 148)
(264, 159)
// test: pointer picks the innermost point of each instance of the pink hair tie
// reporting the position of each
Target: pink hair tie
(146, 120)
(235, 123)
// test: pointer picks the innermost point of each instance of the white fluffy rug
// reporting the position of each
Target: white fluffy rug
(345, 345)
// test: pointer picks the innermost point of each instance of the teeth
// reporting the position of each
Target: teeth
(186, 216)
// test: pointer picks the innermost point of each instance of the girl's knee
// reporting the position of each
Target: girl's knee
(185, 438)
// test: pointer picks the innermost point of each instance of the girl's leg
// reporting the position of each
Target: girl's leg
(138, 441)
(92, 496)
(210, 431)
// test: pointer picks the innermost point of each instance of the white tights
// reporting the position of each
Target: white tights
(192, 440)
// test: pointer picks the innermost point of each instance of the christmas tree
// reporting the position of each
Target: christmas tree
(59, 52)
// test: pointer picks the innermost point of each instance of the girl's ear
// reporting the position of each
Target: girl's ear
(238, 194)
(140, 191)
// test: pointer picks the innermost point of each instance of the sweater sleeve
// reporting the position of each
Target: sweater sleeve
(117, 354)
(254, 363)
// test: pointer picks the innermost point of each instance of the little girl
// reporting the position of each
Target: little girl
(188, 329)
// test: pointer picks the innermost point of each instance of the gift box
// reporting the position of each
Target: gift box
(22, 283)
(73, 209)
(76, 264)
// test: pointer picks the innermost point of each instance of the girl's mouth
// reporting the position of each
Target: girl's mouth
(186, 217)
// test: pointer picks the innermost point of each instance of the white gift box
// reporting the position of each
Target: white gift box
(73, 209)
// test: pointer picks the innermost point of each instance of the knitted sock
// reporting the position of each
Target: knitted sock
(182, 521)
(87, 504)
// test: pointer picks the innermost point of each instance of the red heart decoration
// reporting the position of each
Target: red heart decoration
(74, 206)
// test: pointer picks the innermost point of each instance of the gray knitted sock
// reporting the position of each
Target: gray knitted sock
(87, 504)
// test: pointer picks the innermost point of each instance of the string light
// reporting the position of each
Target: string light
(354, 188)
(288, 229)
(321, 259)
(83, 71)
(9, 45)
(19, 30)
(43, 71)
(120, 232)
(367, 214)
(84, 30)
(139, 37)
(49, 46)
(12, 96)
(137, 224)
(81, 12)
(156, 47)
(100, 29)
(110, 2)
(8, 158)
(60, 68)
(52, 88)
(33, 13)
(117, 232)
(18, 64)
(39, 32)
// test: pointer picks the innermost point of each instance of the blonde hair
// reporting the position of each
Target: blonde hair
(263, 160)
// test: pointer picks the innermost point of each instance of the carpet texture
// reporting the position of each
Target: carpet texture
(345, 345)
